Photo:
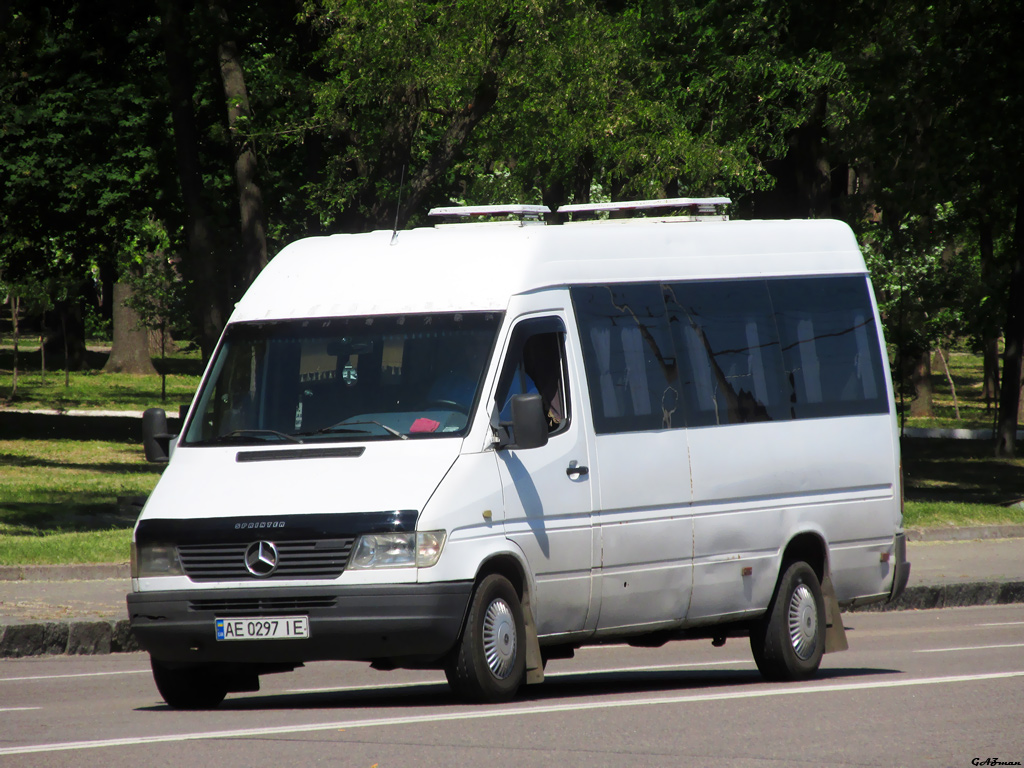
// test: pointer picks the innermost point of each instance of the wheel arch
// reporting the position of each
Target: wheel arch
(809, 547)
(509, 566)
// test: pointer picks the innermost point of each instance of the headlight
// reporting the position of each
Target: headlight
(396, 550)
(155, 560)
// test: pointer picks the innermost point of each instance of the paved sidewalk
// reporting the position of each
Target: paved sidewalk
(81, 609)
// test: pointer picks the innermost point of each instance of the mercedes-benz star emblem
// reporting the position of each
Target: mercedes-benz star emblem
(261, 558)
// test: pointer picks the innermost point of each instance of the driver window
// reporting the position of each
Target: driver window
(537, 365)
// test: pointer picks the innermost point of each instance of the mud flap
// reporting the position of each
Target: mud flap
(534, 661)
(835, 632)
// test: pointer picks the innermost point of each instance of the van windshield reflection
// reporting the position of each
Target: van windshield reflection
(355, 378)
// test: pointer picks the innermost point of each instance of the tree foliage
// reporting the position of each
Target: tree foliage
(229, 122)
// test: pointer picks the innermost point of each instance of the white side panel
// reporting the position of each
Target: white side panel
(758, 485)
(646, 528)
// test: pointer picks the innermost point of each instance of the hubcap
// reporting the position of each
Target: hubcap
(499, 639)
(803, 622)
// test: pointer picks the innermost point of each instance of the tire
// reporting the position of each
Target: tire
(488, 663)
(189, 687)
(789, 640)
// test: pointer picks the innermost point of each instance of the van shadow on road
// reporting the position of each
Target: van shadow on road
(563, 686)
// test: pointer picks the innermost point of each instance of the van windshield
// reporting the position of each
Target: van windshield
(351, 378)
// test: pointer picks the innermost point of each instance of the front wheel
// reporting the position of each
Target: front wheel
(196, 687)
(488, 663)
(789, 640)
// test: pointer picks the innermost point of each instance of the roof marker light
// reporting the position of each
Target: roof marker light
(704, 205)
(526, 211)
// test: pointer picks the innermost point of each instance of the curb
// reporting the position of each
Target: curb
(75, 638)
(966, 533)
(43, 424)
(951, 596)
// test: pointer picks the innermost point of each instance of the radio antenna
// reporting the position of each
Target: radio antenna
(398, 207)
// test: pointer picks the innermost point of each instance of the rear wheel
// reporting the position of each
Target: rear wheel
(789, 640)
(488, 663)
(197, 687)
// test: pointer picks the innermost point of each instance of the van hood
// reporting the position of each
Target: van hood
(218, 482)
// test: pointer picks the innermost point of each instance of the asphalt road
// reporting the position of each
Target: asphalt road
(917, 688)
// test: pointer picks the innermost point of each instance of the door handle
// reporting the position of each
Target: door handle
(576, 469)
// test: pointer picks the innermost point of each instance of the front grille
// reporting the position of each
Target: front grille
(261, 606)
(314, 559)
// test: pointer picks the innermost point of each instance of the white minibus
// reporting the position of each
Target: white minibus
(481, 445)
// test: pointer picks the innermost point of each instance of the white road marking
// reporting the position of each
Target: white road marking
(1003, 624)
(969, 648)
(18, 709)
(77, 674)
(489, 713)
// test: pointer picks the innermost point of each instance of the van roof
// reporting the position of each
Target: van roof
(480, 266)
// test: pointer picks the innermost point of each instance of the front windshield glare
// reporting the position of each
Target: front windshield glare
(354, 378)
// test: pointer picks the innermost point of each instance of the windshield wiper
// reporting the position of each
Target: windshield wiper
(340, 427)
(254, 433)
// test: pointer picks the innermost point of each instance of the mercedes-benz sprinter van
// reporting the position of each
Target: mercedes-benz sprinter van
(479, 446)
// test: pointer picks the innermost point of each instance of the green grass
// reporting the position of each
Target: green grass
(59, 499)
(960, 472)
(960, 482)
(944, 514)
(67, 548)
(91, 389)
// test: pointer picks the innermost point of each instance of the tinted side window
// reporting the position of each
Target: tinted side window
(730, 356)
(830, 346)
(629, 357)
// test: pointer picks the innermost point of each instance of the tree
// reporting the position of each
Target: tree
(78, 146)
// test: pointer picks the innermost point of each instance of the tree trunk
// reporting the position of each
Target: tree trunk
(921, 379)
(69, 340)
(42, 350)
(130, 350)
(201, 262)
(250, 199)
(15, 305)
(1009, 390)
(990, 367)
(990, 334)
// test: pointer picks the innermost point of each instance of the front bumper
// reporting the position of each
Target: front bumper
(411, 622)
(901, 566)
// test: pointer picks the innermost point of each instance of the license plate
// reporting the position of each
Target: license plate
(259, 628)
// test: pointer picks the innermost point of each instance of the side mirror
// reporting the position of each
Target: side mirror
(156, 441)
(529, 423)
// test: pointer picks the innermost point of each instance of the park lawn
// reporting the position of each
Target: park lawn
(59, 500)
(966, 371)
(91, 389)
